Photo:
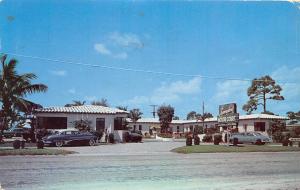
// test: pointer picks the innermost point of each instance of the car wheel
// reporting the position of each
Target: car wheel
(59, 143)
(92, 142)
(258, 142)
(235, 141)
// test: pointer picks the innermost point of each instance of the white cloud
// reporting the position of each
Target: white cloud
(126, 40)
(72, 91)
(289, 79)
(101, 48)
(169, 92)
(59, 72)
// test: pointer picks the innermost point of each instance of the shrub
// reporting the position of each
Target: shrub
(111, 138)
(196, 140)
(285, 142)
(40, 144)
(126, 137)
(17, 144)
(189, 141)
(207, 138)
(217, 139)
(22, 144)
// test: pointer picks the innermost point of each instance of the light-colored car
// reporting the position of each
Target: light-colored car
(249, 138)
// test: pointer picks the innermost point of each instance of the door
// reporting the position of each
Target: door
(100, 124)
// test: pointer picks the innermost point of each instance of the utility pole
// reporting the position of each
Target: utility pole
(202, 115)
(154, 110)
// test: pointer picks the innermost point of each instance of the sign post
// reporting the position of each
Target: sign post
(228, 117)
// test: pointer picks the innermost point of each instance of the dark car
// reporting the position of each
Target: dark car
(132, 136)
(70, 137)
(16, 132)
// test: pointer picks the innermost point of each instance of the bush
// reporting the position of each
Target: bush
(17, 144)
(196, 140)
(40, 144)
(111, 138)
(126, 137)
(207, 138)
(217, 139)
(285, 142)
(189, 141)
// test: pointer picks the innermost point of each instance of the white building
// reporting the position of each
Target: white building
(247, 123)
(100, 118)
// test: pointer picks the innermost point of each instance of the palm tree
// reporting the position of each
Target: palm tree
(14, 88)
(135, 114)
(75, 103)
(102, 102)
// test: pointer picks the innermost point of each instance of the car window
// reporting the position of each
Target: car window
(75, 132)
(250, 134)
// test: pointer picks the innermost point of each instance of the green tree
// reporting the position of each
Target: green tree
(165, 114)
(124, 108)
(175, 117)
(261, 90)
(76, 103)
(102, 102)
(135, 114)
(14, 88)
(191, 115)
(293, 115)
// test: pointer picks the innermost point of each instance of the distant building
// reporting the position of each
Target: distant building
(247, 123)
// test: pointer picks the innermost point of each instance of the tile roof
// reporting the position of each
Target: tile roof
(90, 109)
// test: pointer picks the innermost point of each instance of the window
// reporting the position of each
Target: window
(259, 126)
(134, 127)
(100, 124)
(119, 123)
(52, 122)
(178, 129)
(140, 127)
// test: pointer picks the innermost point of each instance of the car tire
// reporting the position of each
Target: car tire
(92, 142)
(258, 142)
(235, 141)
(59, 143)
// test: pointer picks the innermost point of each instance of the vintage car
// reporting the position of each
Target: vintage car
(250, 138)
(16, 132)
(70, 137)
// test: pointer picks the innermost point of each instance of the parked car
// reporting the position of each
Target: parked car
(70, 137)
(132, 136)
(16, 132)
(250, 138)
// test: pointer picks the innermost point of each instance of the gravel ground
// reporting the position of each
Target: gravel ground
(150, 165)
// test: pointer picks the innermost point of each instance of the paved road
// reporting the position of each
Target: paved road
(150, 166)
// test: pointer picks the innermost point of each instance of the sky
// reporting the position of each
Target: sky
(192, 39)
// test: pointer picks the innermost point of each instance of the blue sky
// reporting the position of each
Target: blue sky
(223, 39)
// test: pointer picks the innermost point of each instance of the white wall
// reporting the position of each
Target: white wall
(109, 118)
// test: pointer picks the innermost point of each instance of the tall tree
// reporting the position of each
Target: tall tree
(14, 89)
(102, 102)
(261, 90)
(135, 114)
(76, 103)
(204, 116)
(165, 114)
(191, 115)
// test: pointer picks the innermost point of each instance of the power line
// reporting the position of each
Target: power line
(131, 69)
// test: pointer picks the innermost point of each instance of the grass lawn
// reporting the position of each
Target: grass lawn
(33, 151)
(225, 148)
